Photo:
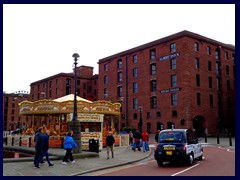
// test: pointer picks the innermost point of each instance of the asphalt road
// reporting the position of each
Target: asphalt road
(217, 161)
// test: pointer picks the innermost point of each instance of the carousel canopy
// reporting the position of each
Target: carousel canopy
(70, 97)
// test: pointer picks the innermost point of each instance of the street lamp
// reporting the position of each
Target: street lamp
(140, 120)
(74, 124)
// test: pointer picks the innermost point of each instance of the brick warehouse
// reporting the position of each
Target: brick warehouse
(62, 84)
(184, 80)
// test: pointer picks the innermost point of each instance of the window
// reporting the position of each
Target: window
(197, 63)
(217, 54)
(105, 92)
(68, 82)
(211, 100)
(198, 99)
(210, 82)
(174, 99)
(172, 48)
(78, 82)
(120, 91)
(152, 54)
(135, 58)
(196, 48)
(134, 115)
(227, 70)
(197, 80)
(105, 79)
(119, 76)
(173, 64)
(134, 72)
(84, 86)
(135, 103)
(153, 85)
(148, 115)
(228, 85)
(13, 105)
(153, 69)
(174, 113)
(173, 80)
(154, 102)
(135, 87)
(119, 64)
(233, 56)
(158, 114)
(217, 68)
(218, 84)
(209, 65)
(50, 84)
(226, 55)
(208, 50)
(105, 67)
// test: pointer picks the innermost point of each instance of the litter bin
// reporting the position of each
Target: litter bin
(93, 145)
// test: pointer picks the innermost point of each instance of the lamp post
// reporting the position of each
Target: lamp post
(74, 124)
(140, 120)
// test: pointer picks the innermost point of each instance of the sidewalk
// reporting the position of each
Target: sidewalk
(123, 155)
(87, 162)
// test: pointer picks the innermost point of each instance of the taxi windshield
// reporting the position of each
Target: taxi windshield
(171, 136)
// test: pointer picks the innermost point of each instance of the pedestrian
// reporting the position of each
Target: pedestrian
(110, 142)
(44, 148)
(156, 135)
(137, 137)
(37, 143)
(69, 144)
(130, 137)
(145, 138)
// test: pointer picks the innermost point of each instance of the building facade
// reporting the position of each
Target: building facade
(184, 80)
(11, 117)
(62, 84)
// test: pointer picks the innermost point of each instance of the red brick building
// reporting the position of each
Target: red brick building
(62, 84)
(185, 80)
(11, 118)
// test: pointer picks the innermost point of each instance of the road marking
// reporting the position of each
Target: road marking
(185, 170)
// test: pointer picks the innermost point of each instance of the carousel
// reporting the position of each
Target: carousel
(96, 117)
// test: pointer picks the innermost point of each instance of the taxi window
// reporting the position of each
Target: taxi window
(171, 136)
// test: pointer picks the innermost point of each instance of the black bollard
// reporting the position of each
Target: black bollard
(218, 138)
(20, 141)
(230, 140)
(12, 141)
(205, 137)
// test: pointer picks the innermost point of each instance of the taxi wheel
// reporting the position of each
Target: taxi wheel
(190, 159)
(160, 163)
(200, 158)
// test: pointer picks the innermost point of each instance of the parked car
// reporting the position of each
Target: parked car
(177, 145)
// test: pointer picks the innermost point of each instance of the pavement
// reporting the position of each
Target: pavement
(86, 162)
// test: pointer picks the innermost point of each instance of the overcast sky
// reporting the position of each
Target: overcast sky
(39, 40)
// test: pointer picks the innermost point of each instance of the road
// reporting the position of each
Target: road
(217, 161)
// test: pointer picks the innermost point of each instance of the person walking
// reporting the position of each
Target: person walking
(37, 143)
(145, 138)
(156, 135)
(69, 144)
(110, 142)
(44, 148)
(137, 137)
(130, 137)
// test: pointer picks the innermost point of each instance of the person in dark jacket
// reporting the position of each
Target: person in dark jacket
(137, 137)
(37, 143)
(69, 144)
(44, 148)
(110, 142)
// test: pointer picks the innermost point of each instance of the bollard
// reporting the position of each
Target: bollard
(29, 142)
(20, 141)
(12, 141)
(230, 140)
(205, 137)
(218, 138)
(62, 142)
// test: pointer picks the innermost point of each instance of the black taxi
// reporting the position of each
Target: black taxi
(176, 145)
